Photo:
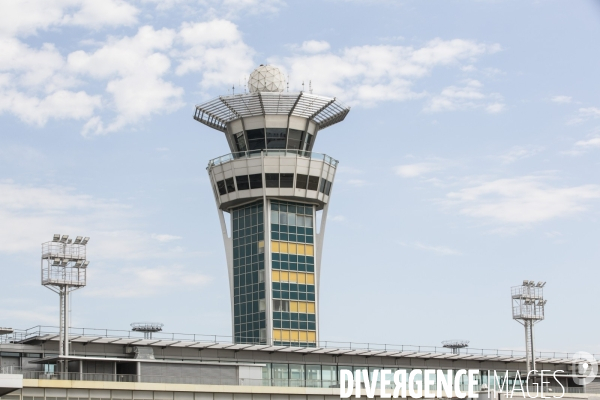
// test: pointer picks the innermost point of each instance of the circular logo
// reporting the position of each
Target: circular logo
(585, 367)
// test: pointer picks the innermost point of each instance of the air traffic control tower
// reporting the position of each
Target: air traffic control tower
(272, 185)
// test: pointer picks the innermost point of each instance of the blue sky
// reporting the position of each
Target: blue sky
(468, 163)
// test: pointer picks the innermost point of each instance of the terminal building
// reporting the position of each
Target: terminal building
(267, 191)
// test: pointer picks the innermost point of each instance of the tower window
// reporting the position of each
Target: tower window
(313, 182)
(295, 139)
(256, 139)
(255, 181)
(281, 305)
(301, 181)
(327, 187)
(276, 138)
(287, 180)
(221, 187)
(240, 141)
(272, 180)
(229, 184)
(242, 182)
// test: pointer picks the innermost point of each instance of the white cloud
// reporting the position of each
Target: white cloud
(357, 182)
(35, 86)
(215, 49)
(134, 67)
(583, 146)
(144, 281)
(443, 250)
(589, 143)
(134, 71)
(561, 99)
(469, 96)
(417, 169)
(519, 153)
(222, 8)
(585, 114)
(165, 238)
(18, 17)
(314, 46)
(523, 200)
(371, 74)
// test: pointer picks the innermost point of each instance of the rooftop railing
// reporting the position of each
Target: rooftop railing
(272, 153)
(21, 335)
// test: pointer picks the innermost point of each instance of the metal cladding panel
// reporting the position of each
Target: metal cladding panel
(236, 126)
(254, 122)
(277, 121)
(152, 369)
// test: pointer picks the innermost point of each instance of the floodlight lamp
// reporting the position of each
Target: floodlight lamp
(64, 238)
(525, 283)
(85, 240)
(69, 241)
(78, 239)
(56, 237)
(543, 284)
(56, 261)
(531, 283)
(85, 264)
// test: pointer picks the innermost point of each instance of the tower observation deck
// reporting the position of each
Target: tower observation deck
(271, 185)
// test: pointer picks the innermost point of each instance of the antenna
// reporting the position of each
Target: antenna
(233, 89)
(455, 345)
(288, 83)
(310, 87)
(64, 270)
(147, 327)
(528, 309)
(303, 86)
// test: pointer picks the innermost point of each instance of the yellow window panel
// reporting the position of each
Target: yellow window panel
(283, 247)
(301, 249)
(310, 250)
(312, 336)
(277, 334)
(301, 306)
(293, 306)
(284, 276)
(292, 248)
(301, 277)
(310, 279)
(294, 336)
(261, 244)
(303, 336)
(274, 246)
(311, 308)
(293, 277)
(285, 335)
(275, 276)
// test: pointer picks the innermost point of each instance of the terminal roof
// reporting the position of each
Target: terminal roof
(420, 353)
(324, 111)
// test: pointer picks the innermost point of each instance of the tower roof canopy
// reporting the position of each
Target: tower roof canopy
(324, 111)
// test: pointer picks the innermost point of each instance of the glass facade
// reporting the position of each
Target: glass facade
(293, 274)
(273, 138)
(249, 273)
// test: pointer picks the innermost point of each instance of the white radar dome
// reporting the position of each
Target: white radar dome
(266, 78)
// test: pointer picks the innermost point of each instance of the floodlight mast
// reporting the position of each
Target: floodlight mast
(528, 309)
(64, 269)
(455, 345)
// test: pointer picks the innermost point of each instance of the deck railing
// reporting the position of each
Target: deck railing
(272, 153)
